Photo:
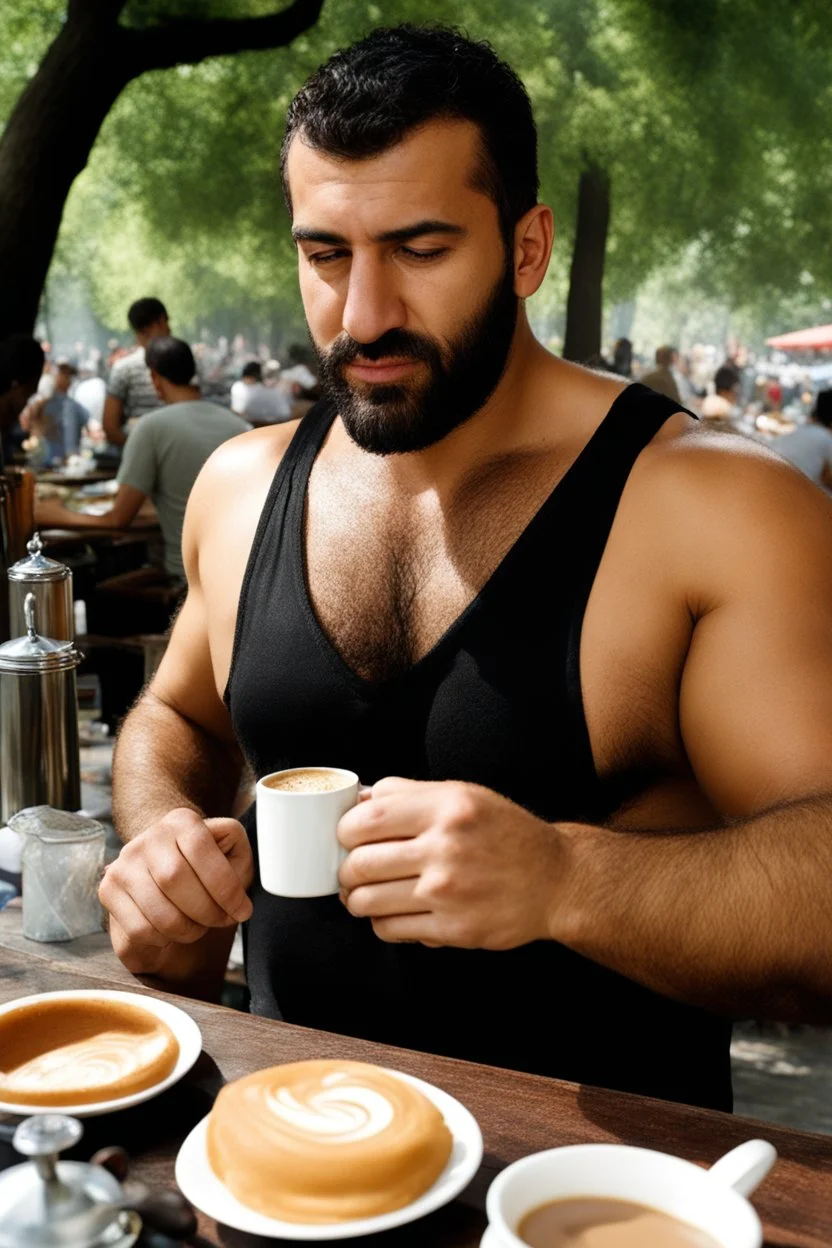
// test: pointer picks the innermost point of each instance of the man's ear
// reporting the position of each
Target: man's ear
(158, 384)
(533, 238)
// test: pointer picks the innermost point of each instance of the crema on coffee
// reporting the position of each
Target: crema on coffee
(308, 780)
(326, 1141)
(76, 1052)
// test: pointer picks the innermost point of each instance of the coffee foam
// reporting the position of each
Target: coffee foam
(308, 780)
(75, 1052)
(326, 1141)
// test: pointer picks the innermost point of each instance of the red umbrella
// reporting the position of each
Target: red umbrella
(804, 339)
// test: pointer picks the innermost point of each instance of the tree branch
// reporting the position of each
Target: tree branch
(187, 42)
(103, 10)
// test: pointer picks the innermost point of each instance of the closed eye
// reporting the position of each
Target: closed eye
(414, 254)
(326, 257)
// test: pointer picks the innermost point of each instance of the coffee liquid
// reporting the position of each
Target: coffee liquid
(74, 1051)
(596, 1222)
(308, 780)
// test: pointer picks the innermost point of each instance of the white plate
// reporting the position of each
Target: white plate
(203, 1189)
(180, 1023)
(489, 1239)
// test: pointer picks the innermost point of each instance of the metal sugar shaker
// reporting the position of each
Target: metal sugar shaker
(47, 1203)
(52, 1203)
(51, 583)
(40, 762)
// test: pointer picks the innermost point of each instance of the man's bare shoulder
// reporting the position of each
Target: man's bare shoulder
(730, 512)
(703, 466)
(246, 456)
(232, 485)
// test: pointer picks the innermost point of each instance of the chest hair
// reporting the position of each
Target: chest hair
(388, 576)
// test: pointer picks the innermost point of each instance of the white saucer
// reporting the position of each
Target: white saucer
(203, 1189)
(181, 1024)
(489, 1239)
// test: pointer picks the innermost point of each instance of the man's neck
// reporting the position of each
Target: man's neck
(182, 394)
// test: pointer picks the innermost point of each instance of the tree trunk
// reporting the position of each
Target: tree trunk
(584, 307)
(50, 134)
(45, 146)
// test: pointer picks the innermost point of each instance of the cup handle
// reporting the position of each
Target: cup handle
(745, 1167)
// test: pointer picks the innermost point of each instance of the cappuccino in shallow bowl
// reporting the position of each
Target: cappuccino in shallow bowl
(615, 1196)
(298, 811)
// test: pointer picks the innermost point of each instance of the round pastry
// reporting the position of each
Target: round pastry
(81, 1051)
(326, 1141)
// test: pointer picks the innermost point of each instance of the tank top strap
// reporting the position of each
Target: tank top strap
(594, 489)
(288, 488)
(597, 479)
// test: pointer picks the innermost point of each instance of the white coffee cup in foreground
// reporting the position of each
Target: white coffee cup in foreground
(297, 831)
(712, 1200)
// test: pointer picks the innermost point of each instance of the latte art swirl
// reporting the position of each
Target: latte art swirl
(74, 1051)
(339, 1113)
(326, 1141)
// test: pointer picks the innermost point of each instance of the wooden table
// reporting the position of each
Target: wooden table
(518, 1114)
(51, 476)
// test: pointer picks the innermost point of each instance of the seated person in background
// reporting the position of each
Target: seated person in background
(130, 391)
(721, 409)
(163, 455)
(809, 447)
(59, 420)
(663, 379)
(21, 364)
(259, 404)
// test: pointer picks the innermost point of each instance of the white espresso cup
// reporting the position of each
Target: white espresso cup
(297, 834)
(712, 1200)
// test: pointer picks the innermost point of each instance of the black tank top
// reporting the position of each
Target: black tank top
(497, 701)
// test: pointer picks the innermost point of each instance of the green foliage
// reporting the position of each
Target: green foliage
(712, 119)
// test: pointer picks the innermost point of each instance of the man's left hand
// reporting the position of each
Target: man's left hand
(447, 863)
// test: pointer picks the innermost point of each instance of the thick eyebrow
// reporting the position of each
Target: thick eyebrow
(302, 234)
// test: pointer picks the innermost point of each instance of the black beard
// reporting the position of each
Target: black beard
(396, 419)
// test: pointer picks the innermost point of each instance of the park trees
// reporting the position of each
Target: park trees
(99, 46)
(666, 130)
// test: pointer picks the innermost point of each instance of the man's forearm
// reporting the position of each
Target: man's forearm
(163, 761)
(737, 919)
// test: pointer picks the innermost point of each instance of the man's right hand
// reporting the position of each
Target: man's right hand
(172, 883)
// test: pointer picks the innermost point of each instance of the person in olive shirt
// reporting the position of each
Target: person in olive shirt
(163, 455)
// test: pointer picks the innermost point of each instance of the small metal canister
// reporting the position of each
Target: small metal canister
(51, 583)
(39, 751)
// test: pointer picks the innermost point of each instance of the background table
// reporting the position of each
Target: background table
(518, 1113)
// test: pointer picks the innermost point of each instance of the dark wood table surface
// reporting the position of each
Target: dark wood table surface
(54, 476)
(518, 1113)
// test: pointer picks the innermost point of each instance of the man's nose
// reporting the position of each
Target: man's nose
(373, 305)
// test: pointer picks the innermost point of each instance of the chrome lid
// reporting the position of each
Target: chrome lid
(37, 566)
(34, 653)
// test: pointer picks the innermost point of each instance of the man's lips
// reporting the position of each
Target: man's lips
(381, 370)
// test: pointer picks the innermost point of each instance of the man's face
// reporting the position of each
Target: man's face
(407, 288)
(159, 329)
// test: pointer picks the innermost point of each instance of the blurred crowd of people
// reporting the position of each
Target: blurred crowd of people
(88, 400)
(773, 400)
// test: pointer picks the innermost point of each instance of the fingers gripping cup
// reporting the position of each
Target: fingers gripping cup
(297, 829)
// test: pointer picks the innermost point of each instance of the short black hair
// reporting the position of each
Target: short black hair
(823, 408)
(253, 369)
(172, 359)
(366, 98)
(146, 312)
(726, 378)
(21, 359)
